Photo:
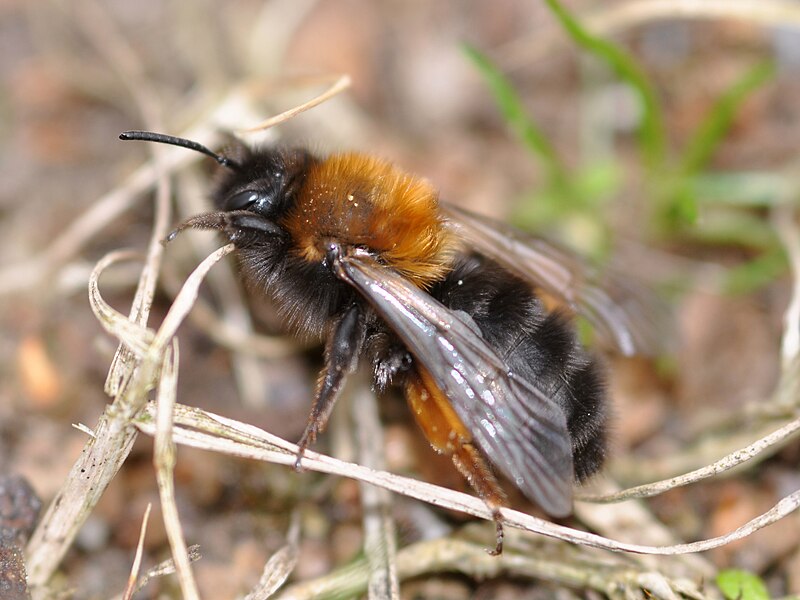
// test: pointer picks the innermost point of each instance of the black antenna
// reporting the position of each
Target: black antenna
(162, 138)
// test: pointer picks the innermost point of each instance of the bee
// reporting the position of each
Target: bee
(440, 302)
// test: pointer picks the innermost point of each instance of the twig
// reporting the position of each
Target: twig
(612, 19)
(380, 544)
(338, 86)
(163, 568)
(204, 430)
(280, 565)
(227, 334)
(130, 589)
(104, 453)
(732, 460)
(638, 12)
(164, 462)
(567, 568)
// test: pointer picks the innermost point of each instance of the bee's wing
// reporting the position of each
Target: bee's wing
(619, 312)
(522, 431)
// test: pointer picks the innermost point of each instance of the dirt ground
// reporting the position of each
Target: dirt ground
(74, 75)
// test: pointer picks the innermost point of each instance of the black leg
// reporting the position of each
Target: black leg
(341, 358)
(238, 225)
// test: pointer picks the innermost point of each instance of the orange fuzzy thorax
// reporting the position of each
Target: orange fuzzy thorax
(359, 200)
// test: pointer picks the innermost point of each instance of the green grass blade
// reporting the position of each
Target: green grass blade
(716, 124)
(755, 274)
(652, 138)
(515, 115)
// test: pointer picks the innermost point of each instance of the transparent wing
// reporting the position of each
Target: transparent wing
(522, 431)
(622, 314)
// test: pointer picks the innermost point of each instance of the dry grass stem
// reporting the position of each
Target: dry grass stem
(163, 568)
(774, 440)
(341, 83)
(135, 336)
(280, 565)
(578, 570)
(229, 334)
(199, 429)
(107, 450)
(130, 589)
(164, 458)
(612, 19)
(380, 546)
(634, 14)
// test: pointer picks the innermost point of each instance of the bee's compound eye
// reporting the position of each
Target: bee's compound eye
(242, 200)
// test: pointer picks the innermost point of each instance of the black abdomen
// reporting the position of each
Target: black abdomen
(536, 345)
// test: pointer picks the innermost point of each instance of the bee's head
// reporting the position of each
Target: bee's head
(256, 188)
(266, 181)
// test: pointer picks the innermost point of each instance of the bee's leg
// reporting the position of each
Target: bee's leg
(473, 467)
(448, 435)
(341, 358)
(241, 226)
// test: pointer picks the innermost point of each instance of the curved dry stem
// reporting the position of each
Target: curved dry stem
(199, 429)
(113, 438)
(130, 589)
(341, 83)
(380, 546)
(732, 460)
(135, 336)
(185, 300)
(616, 579)
(612, 19)
(631, 14)
(280, 565)
(164, 461)
(228, 335)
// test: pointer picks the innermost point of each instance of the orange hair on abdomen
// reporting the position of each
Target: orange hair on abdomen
(360, 200)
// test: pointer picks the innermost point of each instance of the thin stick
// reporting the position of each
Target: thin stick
(539, 562)
(104, 453)
(204, 430)
(734, 459)
(280, 565)
(380, 545)
(130, 589)
(338, 86)
(185, 299)
(613, 19)
(164, 461)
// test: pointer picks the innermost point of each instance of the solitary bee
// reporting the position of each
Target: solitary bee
(439, 300)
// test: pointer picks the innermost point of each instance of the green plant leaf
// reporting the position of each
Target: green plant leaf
(736, 584)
